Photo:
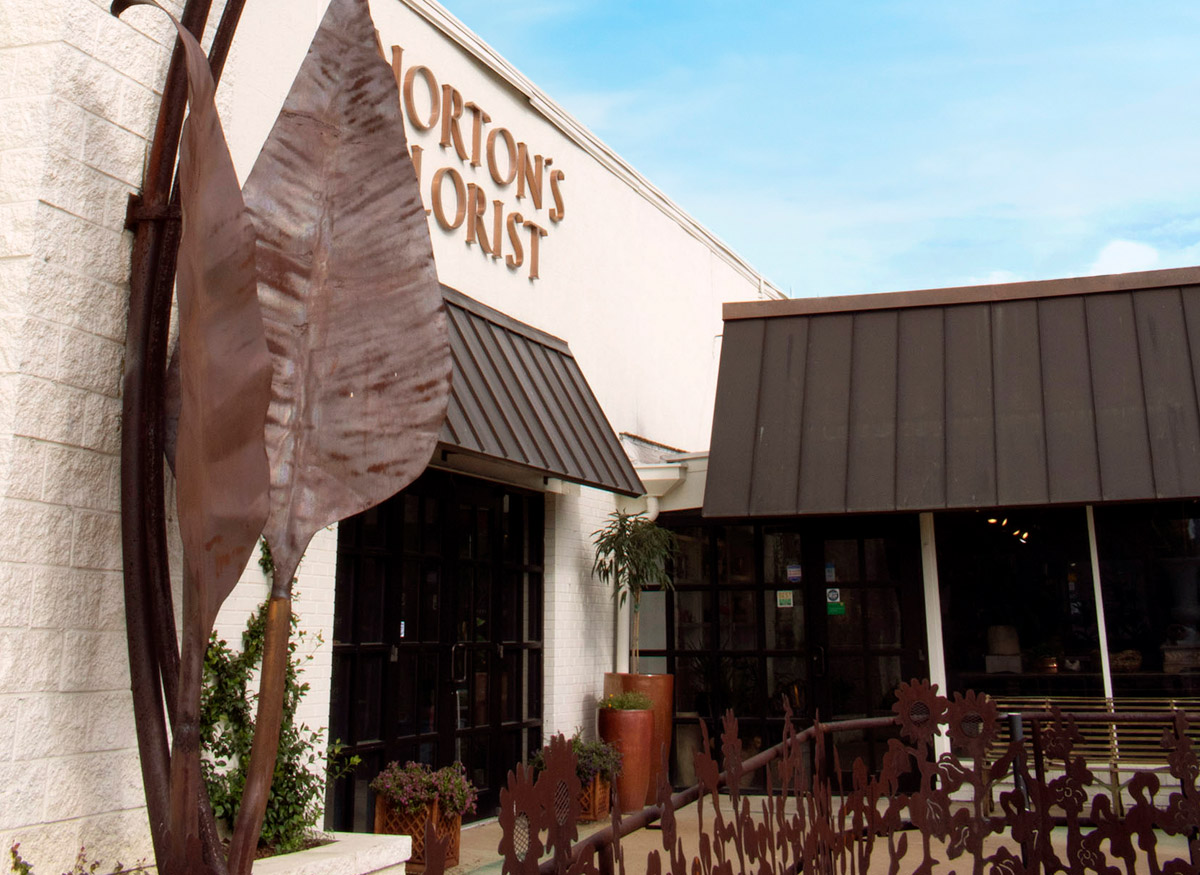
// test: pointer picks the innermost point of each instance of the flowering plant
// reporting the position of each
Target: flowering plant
(412, 785)
(629, 700)
(591, 758)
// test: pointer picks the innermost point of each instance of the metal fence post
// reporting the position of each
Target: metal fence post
(1016, 733)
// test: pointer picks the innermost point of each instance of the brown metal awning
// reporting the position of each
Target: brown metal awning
(1063, 391)
(518, 396)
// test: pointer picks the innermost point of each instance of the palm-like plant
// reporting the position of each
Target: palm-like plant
(631, 554)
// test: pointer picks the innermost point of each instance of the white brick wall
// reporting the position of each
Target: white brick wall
(76, 100)
(578, 619)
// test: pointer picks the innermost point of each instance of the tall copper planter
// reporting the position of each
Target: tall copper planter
(661, 690)
(630, 733)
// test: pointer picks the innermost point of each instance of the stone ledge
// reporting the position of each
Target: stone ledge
(351, 853)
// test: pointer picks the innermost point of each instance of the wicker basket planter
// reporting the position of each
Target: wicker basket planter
(594, 799)
(395, 821)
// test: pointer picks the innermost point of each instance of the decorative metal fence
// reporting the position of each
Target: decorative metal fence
(1024, 803)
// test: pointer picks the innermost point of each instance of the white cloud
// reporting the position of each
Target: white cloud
(1121, 256)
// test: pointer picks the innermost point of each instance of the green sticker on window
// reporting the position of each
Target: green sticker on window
(835, 609)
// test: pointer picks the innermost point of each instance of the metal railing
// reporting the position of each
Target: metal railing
(599, 842)
(985, 801)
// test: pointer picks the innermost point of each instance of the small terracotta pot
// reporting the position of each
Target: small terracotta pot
(661, 690)
(630, 733)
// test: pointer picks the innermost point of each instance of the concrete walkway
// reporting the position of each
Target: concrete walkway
(481, 840)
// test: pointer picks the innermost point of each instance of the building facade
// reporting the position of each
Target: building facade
(991, 487)
(547, 243)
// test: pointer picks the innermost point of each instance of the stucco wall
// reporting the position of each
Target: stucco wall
(634, 289)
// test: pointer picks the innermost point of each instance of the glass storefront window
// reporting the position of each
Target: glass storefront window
(787, 680)
(782, 559)
(1019, 615)
(883, 617)
(846, 629)
(1150, 577)
(785, 619)
(841, 560)
(693, 620)
(652, 626)
(691, 687)
(816, 616)
(688, 564)
(735, 555)
(738, 620)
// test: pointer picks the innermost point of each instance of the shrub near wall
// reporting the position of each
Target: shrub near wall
(295, 803)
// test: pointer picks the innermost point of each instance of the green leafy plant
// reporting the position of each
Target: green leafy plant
(227, 733)
(592, 758)
(413, 785)
(83, 866)
(632, 552)
(629, 700)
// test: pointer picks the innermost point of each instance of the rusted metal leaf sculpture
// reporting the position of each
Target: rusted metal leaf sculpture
(354, 321)
(359, 352)
(225, 377)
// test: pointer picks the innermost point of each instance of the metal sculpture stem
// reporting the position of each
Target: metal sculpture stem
(265, 747)
(149, 611)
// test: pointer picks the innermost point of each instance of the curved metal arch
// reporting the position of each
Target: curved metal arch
(153, 216)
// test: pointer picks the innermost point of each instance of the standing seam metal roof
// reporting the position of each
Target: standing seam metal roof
(1059, 392)
(517, 395)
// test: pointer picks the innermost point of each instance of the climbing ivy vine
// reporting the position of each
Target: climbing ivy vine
(227, 732)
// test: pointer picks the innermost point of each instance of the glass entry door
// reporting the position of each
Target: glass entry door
(868, 627)
(821, 616)
(491, 691)
(438, 629)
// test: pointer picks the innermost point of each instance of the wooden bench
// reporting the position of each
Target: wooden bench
(1117, 744)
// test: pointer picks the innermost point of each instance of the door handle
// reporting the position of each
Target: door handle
(818, 659)
(455, 677)
(500, 649)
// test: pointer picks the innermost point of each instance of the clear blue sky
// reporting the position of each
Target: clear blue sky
(854, 146)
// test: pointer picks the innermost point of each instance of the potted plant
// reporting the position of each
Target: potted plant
(596, 764)
(626, 722)
(632, 553)
(408, 796)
